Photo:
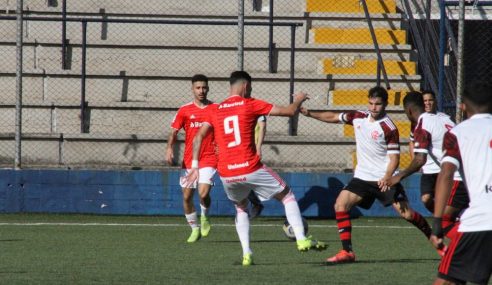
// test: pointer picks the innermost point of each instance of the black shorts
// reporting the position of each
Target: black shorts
(369, 191)
(428, 184)
(459, 196)
(468, 258)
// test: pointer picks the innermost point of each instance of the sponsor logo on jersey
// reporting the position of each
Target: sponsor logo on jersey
(239, 179)
(192, 116)
(488, 188)
(235, 104)
(238, 165)
(196, 124)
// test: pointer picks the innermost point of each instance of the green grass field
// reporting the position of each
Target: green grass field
(85, 249)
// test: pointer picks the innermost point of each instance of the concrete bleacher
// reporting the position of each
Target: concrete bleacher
(138, 75)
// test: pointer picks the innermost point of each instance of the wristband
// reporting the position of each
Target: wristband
(437, 227)
(194, 163)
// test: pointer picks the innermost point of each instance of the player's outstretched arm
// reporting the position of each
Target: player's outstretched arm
(394, 162)
(292, 109)
(444, 184)
(418, 161)
(324, 116)
(170, 143)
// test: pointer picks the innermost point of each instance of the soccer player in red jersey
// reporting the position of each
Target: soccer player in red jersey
(240, 169)
(468, 149)
(428, 136)
(190, 117)
(378, 156)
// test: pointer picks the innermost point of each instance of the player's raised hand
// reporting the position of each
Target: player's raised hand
(190, 179)
(304, 111)
(300, 97)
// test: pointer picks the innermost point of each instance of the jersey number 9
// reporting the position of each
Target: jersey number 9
(231, 126)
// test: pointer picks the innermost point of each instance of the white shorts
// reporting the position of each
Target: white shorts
(264, 182)
(205, 176)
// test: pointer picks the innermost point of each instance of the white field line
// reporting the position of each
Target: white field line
(185, 225)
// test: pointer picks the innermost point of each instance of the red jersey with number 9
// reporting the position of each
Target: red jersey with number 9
(234, 122)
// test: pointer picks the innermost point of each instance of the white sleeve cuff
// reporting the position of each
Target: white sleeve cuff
(451, 160)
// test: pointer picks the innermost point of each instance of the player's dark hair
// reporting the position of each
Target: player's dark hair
(239, 75)
(429, 92)
(479, 93)
(199, 77)
(414, 98)
(378, 92)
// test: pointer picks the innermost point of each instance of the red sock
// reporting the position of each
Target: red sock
(344, 229)
(421, 223)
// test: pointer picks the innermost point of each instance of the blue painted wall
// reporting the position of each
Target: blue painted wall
(158, 193)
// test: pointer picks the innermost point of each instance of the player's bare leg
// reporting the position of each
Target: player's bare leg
(416, 219)
(428, 201)
(190, 214)
(345, 201)
(293, 214)
(412, 217)
(242, 228)
(204, 192)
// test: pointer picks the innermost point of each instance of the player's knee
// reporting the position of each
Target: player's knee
(426, 199)
(341, 207)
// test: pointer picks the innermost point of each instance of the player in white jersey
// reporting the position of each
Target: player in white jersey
(468, 148)
(378, 155)
(430, 169)
(428, 139)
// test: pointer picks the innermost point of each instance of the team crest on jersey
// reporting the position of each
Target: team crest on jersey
(375, 135)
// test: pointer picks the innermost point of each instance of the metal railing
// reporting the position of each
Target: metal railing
(85, 21)
(380, 66)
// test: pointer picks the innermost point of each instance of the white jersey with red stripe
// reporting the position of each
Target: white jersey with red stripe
(234, 121)
(375, 139)
(469, 147)
(428, 138)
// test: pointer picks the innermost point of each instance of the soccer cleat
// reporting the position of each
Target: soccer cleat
(255, 211)
(248, 259)
(195, 235)
(442, 251)
(342, 256)
(308, 243)
(205, 226)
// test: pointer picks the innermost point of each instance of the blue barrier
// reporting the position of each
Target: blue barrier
(144, 192)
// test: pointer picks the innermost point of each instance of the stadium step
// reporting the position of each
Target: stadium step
(350, 6)
(350, 65)
(328, 35)
(403, 129)
(359, 97)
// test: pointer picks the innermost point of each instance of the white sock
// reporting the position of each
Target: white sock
(242, 228)
(204, 210)
(293, 214)
(192, 220)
